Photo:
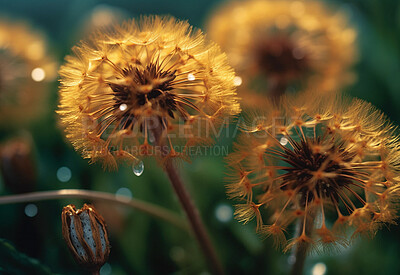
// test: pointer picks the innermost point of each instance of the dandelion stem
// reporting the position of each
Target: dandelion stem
(301, 249)
(190, 209)
(194, 218)
(145, 207)
(299, 260)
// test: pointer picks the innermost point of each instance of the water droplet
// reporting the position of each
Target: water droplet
(138, 167)
(191, 77)
(31, 210)
(283, 141)
(123, 107)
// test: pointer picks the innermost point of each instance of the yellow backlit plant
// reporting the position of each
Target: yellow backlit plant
(149, 87)
(285, 44)
(310, 158)
(26, 67)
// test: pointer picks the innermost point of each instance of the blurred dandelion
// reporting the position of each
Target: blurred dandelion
(25, 70)
(340, 164)
(285, 44)
(153, 77)
(101, 17)
(17, 165)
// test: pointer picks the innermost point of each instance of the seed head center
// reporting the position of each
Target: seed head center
(278, 56)
(147, 86)
(316, 172)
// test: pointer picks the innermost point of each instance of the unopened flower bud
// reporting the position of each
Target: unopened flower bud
(85, 232)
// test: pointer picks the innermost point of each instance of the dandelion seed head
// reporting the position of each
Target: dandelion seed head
(26, 68)
(289, 44)
(154, 73)
(340, 158)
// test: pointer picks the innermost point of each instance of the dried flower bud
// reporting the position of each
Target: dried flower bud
(85, 232)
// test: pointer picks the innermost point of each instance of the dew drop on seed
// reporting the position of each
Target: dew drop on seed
(138, 167)
(123, 107)
(283, 141)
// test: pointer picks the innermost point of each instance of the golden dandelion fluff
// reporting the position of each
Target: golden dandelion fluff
(330, 163)
(298, 44)
(155, 74)
(25, 69)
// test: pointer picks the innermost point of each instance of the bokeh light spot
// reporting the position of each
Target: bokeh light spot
(319, 269)
(64, 174)
(38, 74)
(237, 81)
(123, 194)
(106, 269)
(31, 210)
(224, 213)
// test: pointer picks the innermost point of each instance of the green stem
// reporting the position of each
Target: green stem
(193, 216)
(192, 213)
(145, 207)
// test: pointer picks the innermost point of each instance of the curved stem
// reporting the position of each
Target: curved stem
(188, 206)
(300, 255)
(193, 215)
(145, 207)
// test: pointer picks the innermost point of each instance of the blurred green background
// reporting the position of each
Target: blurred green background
(140, 243)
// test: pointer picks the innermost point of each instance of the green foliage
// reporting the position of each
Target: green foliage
(14, 262)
